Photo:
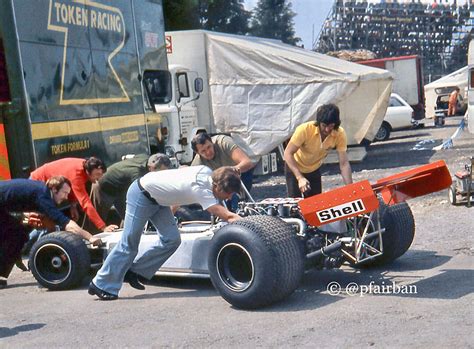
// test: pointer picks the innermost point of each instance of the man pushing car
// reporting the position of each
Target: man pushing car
(149, 199)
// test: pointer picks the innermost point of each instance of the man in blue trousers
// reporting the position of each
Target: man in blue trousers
(149, 199)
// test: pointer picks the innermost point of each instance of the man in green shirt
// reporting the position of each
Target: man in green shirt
(112, 188)
(221, 150)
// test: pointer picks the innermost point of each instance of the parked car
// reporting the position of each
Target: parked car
(399, 115)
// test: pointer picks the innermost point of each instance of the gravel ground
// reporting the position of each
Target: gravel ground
(189, 313)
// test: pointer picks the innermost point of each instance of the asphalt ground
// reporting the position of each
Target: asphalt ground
(423, 299)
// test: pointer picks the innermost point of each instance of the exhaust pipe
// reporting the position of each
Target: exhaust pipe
(325, 251)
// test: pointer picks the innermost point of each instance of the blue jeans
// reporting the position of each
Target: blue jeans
(124, 255)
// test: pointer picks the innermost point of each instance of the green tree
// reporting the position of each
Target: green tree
(181, 14)
(274, 19)
(228, 16)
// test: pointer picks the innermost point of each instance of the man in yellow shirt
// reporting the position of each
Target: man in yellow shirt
(309, 146)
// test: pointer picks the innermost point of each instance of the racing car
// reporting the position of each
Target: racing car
(260, 259)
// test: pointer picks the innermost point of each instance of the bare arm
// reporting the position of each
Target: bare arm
(241, 160)
(76, 229)
(223, 213)
(290, 151)
(345, 167)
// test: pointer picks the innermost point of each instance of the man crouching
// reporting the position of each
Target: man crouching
(149, 199)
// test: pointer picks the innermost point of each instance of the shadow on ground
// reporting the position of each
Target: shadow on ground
(9, 332)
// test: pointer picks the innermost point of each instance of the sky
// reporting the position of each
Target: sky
(310, 16)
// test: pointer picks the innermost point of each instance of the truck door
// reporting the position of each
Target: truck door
(185, 98)
(4, 100)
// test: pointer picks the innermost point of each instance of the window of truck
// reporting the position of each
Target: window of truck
(471, 78)
(157, 84)
(183, 87)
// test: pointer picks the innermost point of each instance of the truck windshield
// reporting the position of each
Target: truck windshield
(157, 85)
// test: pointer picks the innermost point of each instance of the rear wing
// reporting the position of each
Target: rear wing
(361, 197)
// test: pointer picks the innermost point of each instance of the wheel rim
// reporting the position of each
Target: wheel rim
(357, 226)
(52, 264)
(381, 134)
(235, 267)
(451, 196)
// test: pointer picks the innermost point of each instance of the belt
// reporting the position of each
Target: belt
(147, 194)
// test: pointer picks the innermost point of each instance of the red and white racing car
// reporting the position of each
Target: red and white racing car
(260, 259)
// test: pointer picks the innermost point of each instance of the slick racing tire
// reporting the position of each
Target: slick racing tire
(256, 261)
(59, 260)
(399, 225)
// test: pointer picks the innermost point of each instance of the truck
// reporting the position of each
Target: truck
(82, 78)
(259, 90)
(408, 80)
(470, 87)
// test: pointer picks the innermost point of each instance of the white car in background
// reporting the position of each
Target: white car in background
(399, 115)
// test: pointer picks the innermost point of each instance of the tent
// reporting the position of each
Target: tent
(442, 86)
(260, 90)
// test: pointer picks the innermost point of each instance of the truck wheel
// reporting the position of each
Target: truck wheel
(452, 194)
(256, 261)
(399, 233)
(59, 260)
(383, 133)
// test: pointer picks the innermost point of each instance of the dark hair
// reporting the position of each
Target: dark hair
(200, 139)
(226, 179)
(157, 160)
(328, 114)
(57, 182)
(93, 163)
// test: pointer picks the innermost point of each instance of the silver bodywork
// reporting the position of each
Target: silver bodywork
(189, 260)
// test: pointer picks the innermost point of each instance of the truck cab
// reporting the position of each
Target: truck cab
(171, 106)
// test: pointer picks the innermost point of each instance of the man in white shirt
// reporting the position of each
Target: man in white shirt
(149, 199)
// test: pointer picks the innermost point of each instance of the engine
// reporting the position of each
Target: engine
(280, 207)
(321, 247)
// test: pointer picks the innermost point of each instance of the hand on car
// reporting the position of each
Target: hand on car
(111, 228)
(95, 241)
(303, 184)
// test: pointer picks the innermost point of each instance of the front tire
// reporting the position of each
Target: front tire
(383, 133)
(59, 260)
(256, 261)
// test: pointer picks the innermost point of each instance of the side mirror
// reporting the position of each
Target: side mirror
(198, 85)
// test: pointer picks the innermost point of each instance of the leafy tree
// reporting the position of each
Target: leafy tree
(274, 19)
(228, 16)
(181, 14)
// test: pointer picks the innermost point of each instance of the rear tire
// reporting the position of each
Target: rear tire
(399, 225)
(383, 133)
(59, 260)
(256, 261)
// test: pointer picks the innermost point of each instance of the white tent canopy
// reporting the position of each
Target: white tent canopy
(444, 85)
(262, 89)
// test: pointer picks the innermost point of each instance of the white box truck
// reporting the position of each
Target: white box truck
(408, 79)
(259, 90)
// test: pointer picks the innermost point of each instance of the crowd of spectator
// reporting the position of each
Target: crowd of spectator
(439, 31)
